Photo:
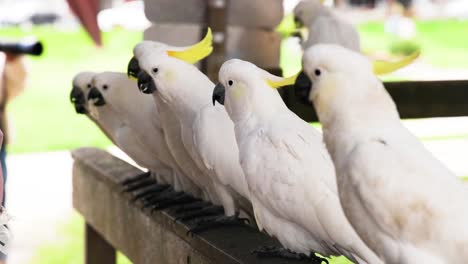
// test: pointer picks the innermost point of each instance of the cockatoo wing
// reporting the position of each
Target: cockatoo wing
(215, 142)
(410, 221)
(127, 140)
(289, 174)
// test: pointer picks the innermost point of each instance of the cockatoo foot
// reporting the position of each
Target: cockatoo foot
(181, 198)
(211, 210)
(198, 205)
(139, 184)
(218, 221)
(135, 179)
(155, 199)
(151, 191)
(280, 252)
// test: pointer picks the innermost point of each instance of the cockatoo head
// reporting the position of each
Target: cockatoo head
(155, 64)
(81, 87)
(113, 89)
(244, 88)
(141, 50)
(334, 77)
(306, 11)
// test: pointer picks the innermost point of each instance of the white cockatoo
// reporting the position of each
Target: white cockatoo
(82, 85)
(79, 94)
(403, 202)
(205, 133)
(290, 175)
(120, 132)
(324, 26)
(139, 113)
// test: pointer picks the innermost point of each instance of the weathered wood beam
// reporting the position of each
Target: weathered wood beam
(151, 238)
(414, 99)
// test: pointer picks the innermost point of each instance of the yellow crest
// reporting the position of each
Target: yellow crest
(197, 52)
(385, 67)
(281, 82)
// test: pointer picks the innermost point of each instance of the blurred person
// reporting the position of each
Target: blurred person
(4, 218)
(12, 82)
(405, 5)
(399, 20)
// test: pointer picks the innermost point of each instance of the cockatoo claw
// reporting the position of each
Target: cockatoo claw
(181, 198)
(197, 205)
(218, 221)
(151, 191)
(135, 179)
(139, 184)
(211, 210)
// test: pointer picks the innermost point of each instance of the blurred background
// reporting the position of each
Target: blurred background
(45, 126)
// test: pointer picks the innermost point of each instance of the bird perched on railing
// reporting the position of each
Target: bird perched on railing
(403, 202)
(118, 118)
(201, 137)
(324, 26)
(140, 114)
(290, 175)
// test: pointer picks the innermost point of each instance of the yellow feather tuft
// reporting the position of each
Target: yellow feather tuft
(385, 67)
(197, 52)
(283, 82)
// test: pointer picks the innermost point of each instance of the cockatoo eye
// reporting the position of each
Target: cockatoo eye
(89, 86)
(105, 87)
(155, 70)
(317, 72)
(230, 82)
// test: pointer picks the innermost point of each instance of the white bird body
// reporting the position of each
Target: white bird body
(324, 26)
(83, 82)
(139, 113)
(403, 202)
(206, 132)
(126, 139)
(289, 172)
(215, 142)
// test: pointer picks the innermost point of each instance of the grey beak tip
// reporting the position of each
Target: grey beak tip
(218, 94)
(302, 88)
(133, 68)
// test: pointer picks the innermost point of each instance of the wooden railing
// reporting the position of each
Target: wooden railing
(115, 222)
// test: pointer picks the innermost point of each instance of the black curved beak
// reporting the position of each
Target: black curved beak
(81, 109)
(218, 94)
(77, 97)
(133, 68)
(302, 88)
(146, 83)
(96, 96)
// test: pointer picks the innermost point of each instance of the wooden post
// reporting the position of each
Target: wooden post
(216, 19)
(97, 249)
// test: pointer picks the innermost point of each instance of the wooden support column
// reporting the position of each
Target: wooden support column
(97, 249)
(216, 19)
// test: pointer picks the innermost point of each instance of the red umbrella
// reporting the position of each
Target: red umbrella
(86, 11)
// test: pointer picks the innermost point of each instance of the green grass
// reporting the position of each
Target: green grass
(69, 248)
(443, 42)
(43, 117)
